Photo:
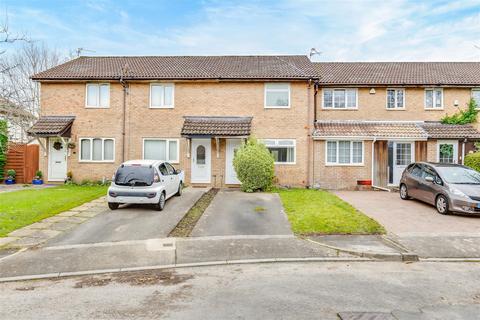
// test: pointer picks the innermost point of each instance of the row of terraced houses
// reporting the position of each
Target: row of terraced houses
(327, 124)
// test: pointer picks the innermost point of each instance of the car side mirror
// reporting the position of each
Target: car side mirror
(429, 179)
(178, 171)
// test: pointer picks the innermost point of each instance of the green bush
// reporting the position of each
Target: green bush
(3, 147)
(472, 160)
(254, 166)
(466, 116)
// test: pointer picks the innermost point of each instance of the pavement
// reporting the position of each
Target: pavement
(132, 222)
(307, 290)
(417, 226)
(239, 213)
(23, 186)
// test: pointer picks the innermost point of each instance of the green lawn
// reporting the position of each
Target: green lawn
(321, 212)
(24, 207)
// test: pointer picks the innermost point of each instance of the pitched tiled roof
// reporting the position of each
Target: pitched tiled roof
(399, 73)
(216, 126)
(393, 130)
(437, 130)
(52, 126)
(182, 67)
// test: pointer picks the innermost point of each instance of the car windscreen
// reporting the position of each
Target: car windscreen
(459, 175)
(134, 176)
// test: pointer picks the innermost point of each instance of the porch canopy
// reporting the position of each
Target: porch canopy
(217, 127)
(392, 130)
(52, 126)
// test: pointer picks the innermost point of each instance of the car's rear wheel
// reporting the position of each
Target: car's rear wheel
(180, 189)
(404, 192)
(113, 205)
(441, 203)
(161, 202)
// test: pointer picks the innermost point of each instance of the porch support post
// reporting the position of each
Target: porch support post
(188, 147)
(42, 146)
(217, 145)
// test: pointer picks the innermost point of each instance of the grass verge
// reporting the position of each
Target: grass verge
(24, 207)
(320, 212)
(188, 222)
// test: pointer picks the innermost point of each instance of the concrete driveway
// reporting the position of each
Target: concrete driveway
(418, 226)
(239, 213)
(132, 222)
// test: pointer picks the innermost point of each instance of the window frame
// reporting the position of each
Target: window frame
(167, 149)
(91, 150)
(471, 96)
(454, 143)
(434, 99)
(265, 90)
(337, 163)
(163, 85)
(396, 100)
(97, 84)
(333, 99)
(294, 146)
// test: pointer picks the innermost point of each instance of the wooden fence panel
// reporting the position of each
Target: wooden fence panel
(24, 160)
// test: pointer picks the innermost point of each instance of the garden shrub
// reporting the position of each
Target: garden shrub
(3, 147)
(254, 166)
(472, 160)
(466, 116)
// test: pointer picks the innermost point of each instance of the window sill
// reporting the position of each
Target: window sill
(95, 107)
(433, 109)
(167, 107)
(272, 107)
(284, 163)
(344, 165)
(340, 109)
(92, 161)
(396, 109)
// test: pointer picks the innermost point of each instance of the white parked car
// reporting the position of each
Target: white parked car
(144, 182)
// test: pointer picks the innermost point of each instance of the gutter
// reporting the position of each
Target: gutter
(124, 118)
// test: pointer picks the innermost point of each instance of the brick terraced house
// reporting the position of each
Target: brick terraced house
(332, 125)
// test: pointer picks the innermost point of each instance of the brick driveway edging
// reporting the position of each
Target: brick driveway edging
(42, 231)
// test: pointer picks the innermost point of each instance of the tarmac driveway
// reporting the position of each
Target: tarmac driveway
(418, 226)
(234, 212)
(132, 222)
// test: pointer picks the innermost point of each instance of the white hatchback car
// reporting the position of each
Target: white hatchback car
(144, 182)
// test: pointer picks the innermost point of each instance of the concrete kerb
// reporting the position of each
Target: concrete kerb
(400, 256)
(58, 275)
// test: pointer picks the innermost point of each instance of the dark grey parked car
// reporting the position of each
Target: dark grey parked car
(449, 187)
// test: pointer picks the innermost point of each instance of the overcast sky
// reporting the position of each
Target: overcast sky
(342, 30)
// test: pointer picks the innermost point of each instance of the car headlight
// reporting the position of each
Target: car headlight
(457, 192)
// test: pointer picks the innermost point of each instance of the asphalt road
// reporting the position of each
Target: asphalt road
(262, 291)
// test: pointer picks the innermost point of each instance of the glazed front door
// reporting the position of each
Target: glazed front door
(201, 160)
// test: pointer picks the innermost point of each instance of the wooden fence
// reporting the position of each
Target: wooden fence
(23, 159)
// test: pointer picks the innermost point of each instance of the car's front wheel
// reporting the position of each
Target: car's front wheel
(113, 205)
(180, 189)
(161, 202)
(404, 192)
(441, 203)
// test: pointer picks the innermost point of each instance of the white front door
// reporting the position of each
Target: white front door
(447, 151)
(401, 154)
(201, 160)
(230, 174)
(57, 160)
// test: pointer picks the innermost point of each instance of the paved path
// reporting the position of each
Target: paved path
(240, 213)
(133, 222)
(417, 226)
(417, 291)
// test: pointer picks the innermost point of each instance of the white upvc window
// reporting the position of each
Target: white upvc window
(447, 151)
(161, 149)
(344, 152)
(277, 95)
(340, 99)
(476, 96)
(434, 98)
(97, 95)
(97, 150)
(161, 95)
(282, 150)
(395, 99)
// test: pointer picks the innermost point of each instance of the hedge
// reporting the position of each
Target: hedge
(472, 160)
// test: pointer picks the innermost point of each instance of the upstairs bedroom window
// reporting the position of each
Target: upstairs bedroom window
(98, 95)
(395, 99)
(277, 95)
(161, 95)
(476, 96)
(340, 99)
(434, 98)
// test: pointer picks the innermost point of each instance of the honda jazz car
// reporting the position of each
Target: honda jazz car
(144, 182)
(449, 187)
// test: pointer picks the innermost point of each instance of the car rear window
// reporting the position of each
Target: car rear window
(134, 176)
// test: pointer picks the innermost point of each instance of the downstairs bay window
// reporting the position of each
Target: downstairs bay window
(282, 150)
(97, 150)
(344, 152)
